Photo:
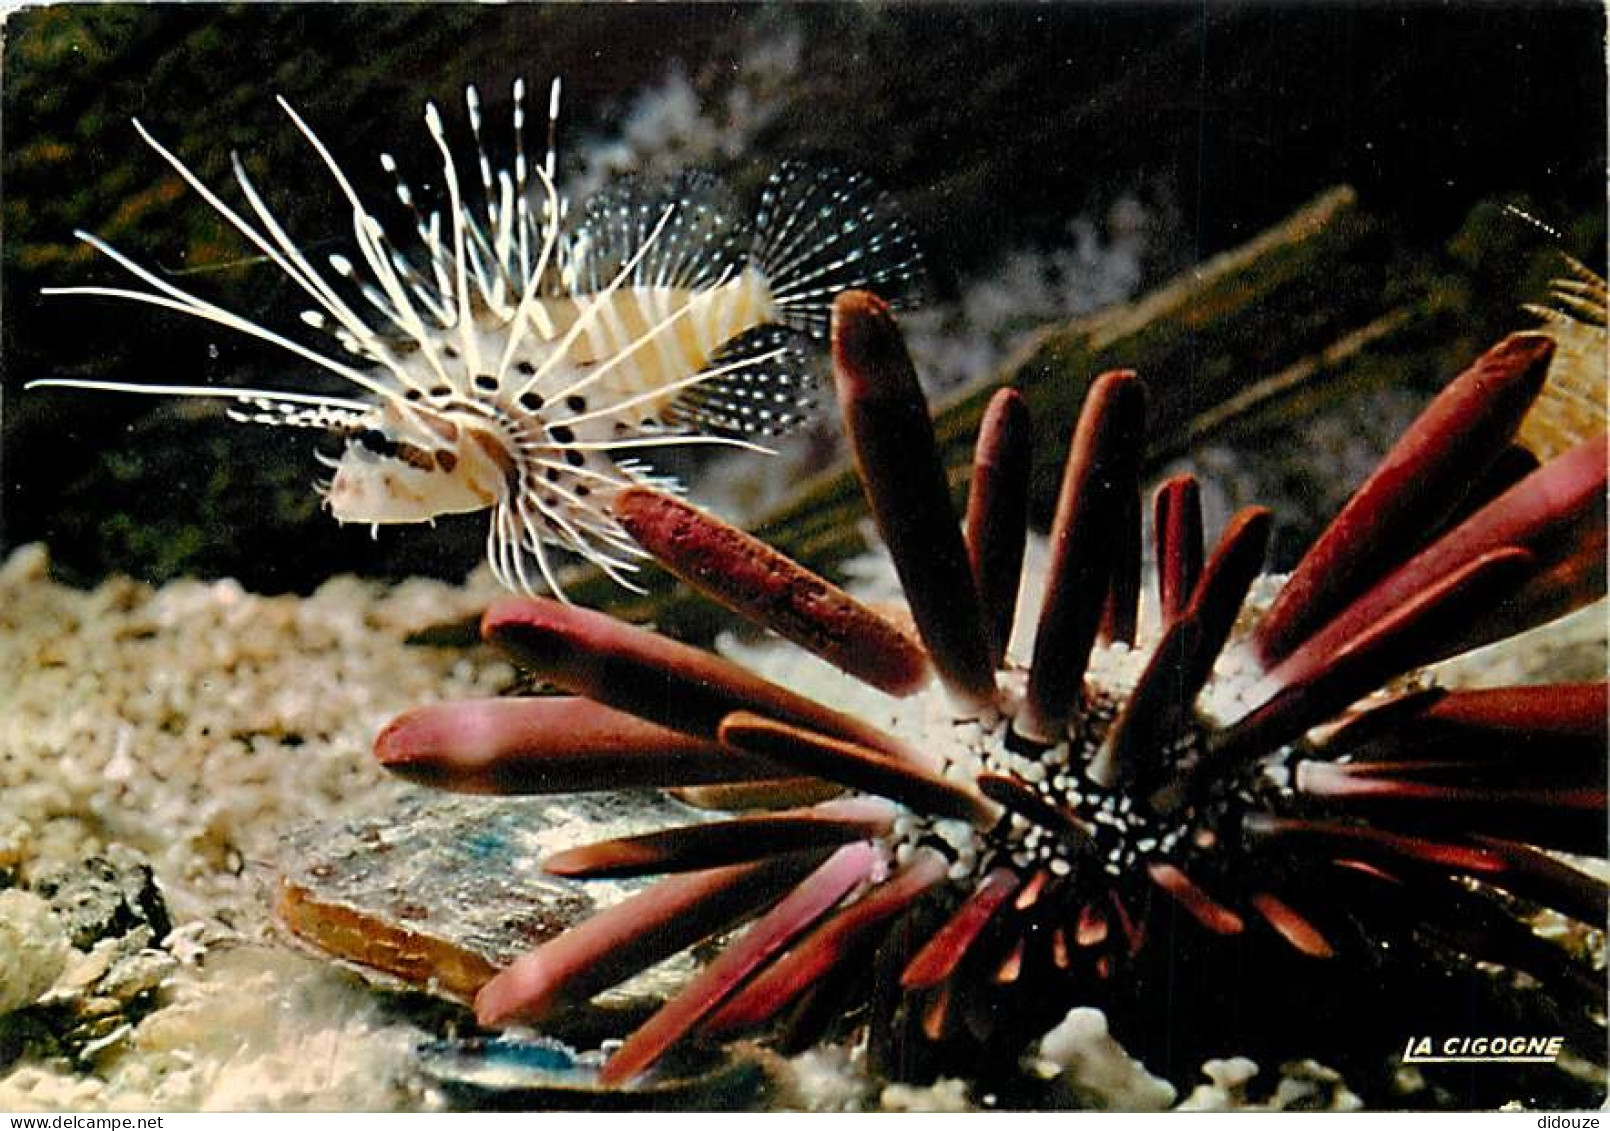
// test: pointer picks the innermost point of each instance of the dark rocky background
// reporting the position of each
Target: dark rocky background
(993, 123)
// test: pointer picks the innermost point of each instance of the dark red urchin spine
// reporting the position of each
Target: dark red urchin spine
(1067, 805)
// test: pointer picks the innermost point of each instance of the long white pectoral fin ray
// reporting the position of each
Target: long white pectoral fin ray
(822, 231)
(212, 392)
(250, 406)
(760, 383)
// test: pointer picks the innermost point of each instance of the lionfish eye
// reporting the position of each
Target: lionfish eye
(376, 441)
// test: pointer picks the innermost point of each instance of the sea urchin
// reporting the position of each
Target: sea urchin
(1271, 763)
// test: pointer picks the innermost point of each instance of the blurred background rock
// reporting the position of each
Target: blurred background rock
(1053, 159)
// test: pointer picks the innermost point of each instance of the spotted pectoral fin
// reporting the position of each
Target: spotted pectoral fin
(685, 233)
(758, 383)
(819, 232)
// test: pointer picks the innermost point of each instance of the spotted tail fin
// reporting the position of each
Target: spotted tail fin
(822, 231)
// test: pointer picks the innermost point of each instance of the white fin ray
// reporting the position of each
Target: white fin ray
(533, 277)
(599, 527)
(819, 232)
(587, 548)
(491, 282)
(461, 284)
(314, 283)
(527, 543)
(370, 238)
(295, 267)
(472, 105)
(427, 296)
(209, 392)
(663, 391)
(622, 354)
(670, 441)
(768, 396)
(504, 553)
(278, 415)
(705, 238)
(186, 303)
(504, 233)
(582, 472)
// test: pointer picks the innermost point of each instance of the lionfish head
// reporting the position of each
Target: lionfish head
(402, 465)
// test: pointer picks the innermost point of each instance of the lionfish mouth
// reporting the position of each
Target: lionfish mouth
(1018, 835)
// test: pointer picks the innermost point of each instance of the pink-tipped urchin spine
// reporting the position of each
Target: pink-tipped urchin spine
(1038, 824)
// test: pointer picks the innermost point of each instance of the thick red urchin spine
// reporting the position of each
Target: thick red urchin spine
(1177, 520)
(550, 745)
(1077, 807)
(639, 672)
(1419, 484)
(1160, 707)
(768, 587)
(996, 524)
(1102, 472)
(908, 493)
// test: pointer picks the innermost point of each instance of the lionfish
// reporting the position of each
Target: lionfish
(520, 357)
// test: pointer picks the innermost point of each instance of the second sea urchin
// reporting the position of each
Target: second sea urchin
(1261, 763)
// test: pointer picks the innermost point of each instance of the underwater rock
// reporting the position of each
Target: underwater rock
(437, 895)
(830, 1078)
(105, 895)
(1088, 1068)
(444, 891)
(245, 1028)
(517, 1073)
(96, 1003)
(1304, 1085)
(33, 949)
(945, 1094)
(80, 964)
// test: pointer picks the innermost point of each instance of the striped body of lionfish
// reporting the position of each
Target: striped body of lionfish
(1253, 792)
(521, 357)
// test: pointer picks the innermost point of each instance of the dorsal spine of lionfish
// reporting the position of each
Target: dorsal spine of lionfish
(518, 355)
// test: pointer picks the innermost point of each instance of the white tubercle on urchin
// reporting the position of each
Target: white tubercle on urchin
(522, 352)
(967, 744)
